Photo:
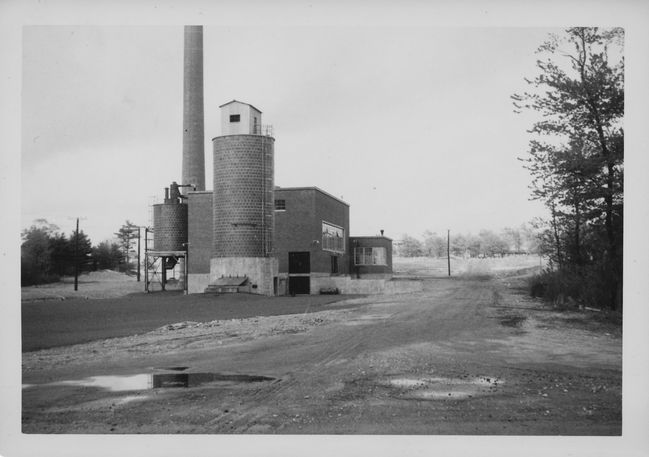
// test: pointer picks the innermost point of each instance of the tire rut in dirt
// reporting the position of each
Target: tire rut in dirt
(243, 418)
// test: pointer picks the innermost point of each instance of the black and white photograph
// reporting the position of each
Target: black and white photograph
(325, 229)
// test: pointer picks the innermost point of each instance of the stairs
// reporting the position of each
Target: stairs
(230, 285)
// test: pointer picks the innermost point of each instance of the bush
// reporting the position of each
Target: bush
(586, 285)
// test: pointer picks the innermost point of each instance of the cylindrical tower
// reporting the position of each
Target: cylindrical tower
(193, 168)
(243, 196)
(170, 227)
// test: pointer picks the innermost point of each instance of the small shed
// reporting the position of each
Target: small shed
(371, 257)
(238, 118)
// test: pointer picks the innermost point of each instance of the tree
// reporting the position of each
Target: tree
(530, 238)
(83, 248)
(126, 235)
(106, 255)
(410, 247)
(434, 245)
(491, 244)
(473, 245)
(47, 254)
(576, 154)
(62, 252)
(459, 245)
(35, 255)
(514, 238)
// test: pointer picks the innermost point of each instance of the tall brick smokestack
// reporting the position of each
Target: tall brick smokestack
(193, 124)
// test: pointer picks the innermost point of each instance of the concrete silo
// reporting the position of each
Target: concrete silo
(243, 199)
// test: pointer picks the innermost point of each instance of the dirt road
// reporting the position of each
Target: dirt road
(461, 357)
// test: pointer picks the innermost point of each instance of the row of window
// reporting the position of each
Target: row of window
(370, 256)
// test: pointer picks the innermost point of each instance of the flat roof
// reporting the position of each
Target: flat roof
(369, 237)
(298, 189)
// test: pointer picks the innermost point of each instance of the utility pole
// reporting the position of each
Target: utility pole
(146, 258)
(76, 257)
(448, 250)
(138, 254)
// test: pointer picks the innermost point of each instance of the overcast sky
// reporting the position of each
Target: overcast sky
(412, 126)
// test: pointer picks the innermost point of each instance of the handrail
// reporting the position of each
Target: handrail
(263, 129)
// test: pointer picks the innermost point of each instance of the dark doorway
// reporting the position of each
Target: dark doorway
(299, 285)
(299, 273)
(334, 264)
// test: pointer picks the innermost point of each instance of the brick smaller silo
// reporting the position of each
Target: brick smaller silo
(243, 200)
(170, 224)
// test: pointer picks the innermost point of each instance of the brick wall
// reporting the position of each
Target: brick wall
(371, 270)
(200, 232)
(170, 226)
(330, 210)
(243, 200)
(299, 227)
(294, 226)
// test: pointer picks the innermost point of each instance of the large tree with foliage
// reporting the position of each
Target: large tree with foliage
(410, 247)
(126, 236)
(434, 244)
(47, 254)
(36, 253)
(106, 256)
(576, 155)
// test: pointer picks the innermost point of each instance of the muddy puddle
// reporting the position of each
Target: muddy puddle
(442, 388)
(368, 319)
(147, 381)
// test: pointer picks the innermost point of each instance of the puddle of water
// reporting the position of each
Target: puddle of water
(442, 395)
(113, 383)
(368, 319)
(439, 388)
(407, 382)
(163, 380)
(375, 316)
(130, 399)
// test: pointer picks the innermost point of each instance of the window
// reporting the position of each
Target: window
(280, 205)
(333, 237)
(370, 256)
(235, 117)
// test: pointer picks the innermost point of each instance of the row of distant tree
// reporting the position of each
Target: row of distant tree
(47, 254)
(486, 243)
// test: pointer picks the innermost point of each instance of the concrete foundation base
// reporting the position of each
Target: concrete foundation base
(348, 285)
(197, 283)
(261, 271)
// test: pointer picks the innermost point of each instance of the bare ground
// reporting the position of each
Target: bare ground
(93, 285)
(464, 356)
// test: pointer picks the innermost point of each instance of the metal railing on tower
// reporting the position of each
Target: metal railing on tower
(263, 129)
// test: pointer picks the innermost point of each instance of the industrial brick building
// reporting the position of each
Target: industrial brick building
(247, 234)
